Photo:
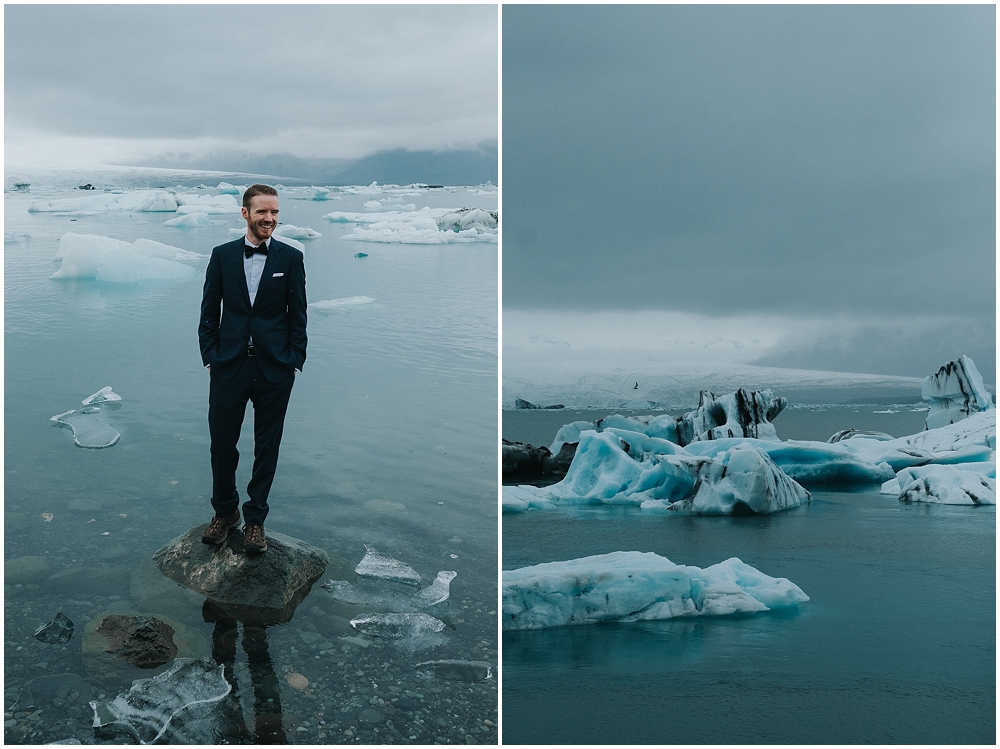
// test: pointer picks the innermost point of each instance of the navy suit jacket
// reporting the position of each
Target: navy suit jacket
(276, 320)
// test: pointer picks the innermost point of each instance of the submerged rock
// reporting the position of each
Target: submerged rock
(225, 574)
(154, 709)
(954, 392)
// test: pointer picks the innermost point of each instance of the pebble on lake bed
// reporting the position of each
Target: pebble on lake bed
(297, 681)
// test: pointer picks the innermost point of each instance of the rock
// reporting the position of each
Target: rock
(954, 392)
(113, 639)
(370, 716)
(523, 404)
(227, 575)
(32, 569)
(523, 462)
(459, 670)
(297, 681)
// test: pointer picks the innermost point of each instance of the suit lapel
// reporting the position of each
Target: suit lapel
(239, 270)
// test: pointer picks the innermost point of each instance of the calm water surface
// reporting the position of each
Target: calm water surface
(390, 440)
(896, 645)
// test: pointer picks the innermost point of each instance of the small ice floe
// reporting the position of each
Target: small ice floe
(631, 586)
(290, 231)
(57, 632)
(343, 591)
(47, 517)
(397, 626)
(381, 567)
(887, 411)
(89, 429)
(458, 670)
(153, 708)
(948, 484)
(103, 395)
(347, 301)
(189, 220)
(436, 592)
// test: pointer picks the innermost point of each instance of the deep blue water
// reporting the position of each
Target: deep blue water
(896, 645)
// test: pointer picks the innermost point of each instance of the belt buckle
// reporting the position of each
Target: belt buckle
(250, 351)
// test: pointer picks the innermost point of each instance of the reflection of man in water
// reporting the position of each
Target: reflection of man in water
(253, 342)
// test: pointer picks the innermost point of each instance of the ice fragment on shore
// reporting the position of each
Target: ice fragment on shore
(189, 688)
(101, 396)
(88, 428)
(397, 626)
(381, 567)
(436, 592)
(57, 632)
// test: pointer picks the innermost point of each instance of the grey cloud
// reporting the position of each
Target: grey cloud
(251, 72)
(787, 159)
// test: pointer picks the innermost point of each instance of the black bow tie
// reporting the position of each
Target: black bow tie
(251, 251)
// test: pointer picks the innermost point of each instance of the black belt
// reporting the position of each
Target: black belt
(250, 351)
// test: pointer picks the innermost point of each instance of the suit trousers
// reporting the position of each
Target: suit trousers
(227, 405)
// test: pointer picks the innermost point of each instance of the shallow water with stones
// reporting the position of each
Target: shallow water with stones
(390, 440)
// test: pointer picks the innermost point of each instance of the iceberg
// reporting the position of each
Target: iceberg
(382, 567)
(949, 485)
(410, 227)
(290, 231)
(955, 392)
(436, 592)
(469, 218)
(91, 256)
(629, 586)
(189, 220)
(186, 690)
(347, 301)
(224, 204)
(138, 200)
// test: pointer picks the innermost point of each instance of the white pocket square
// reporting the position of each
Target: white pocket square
(277, 274)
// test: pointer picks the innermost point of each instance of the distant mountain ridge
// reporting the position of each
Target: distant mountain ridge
(398, 166)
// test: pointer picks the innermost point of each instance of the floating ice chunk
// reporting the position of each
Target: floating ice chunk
(296, 232)
(634, 586)
(342, 590)
(89, 429)
(850, 434)
(188, 689)
(107, 259)
(373, 205)
(320, 193)
(151, 248)
(458, 670)
(210, 204)
(378, 565)
(103, 395)
(189, 220)
(468, 218)
(396, 626)
(291, 243)
(949, 485)
(126, 266)
(890, 487)
(227, 189)
(57, 632)
(138, 200)
(347, 301)
(954, 392)
(436, 592)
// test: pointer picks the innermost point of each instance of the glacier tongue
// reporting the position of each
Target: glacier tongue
(633, 586)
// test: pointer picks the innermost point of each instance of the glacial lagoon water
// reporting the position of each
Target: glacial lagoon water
(896, 645)
(390, 440)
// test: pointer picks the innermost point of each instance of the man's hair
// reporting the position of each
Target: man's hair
(257, 190)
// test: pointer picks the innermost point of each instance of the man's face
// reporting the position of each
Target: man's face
(262, 218)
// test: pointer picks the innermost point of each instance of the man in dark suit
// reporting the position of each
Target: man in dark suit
(253, 342)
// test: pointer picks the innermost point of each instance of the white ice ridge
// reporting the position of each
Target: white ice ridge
(949, 485)
(954, 392)
(633, 586)
(378, 565)
(347, 301)
(91, 256)
(415, 227)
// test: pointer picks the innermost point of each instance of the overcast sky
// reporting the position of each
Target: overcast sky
(88, 84)
(828, 169)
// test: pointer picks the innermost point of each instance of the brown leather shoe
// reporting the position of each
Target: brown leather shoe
(219, 528)
(254, 541)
